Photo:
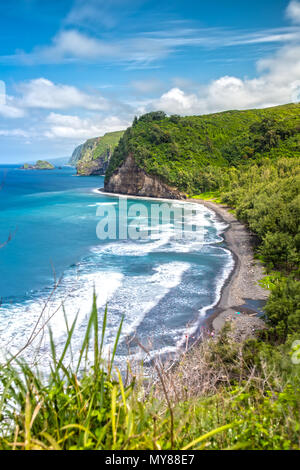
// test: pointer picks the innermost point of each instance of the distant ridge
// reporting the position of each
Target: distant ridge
(92, 157)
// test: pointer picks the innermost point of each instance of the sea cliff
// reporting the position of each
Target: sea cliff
(132, 180)
(92, 157)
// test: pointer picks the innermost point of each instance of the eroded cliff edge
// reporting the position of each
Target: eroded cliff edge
(129, 179)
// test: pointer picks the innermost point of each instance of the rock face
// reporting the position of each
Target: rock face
(93, 167)
(76, 155)
(132, 180)
(92, 157)
(87, 165)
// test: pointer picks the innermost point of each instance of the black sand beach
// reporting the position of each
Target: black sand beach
(242, 286)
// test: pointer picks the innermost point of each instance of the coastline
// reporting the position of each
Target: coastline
(241, 287)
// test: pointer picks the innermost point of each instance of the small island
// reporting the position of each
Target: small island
(40, 165)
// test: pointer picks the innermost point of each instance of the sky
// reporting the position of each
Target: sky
(75, 69)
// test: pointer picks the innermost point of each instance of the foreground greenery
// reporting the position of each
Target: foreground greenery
(255, 404)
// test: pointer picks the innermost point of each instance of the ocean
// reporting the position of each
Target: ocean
(162, 285)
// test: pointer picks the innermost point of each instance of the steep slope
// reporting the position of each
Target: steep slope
(76, 155)
(177, 151)
(130, 179)
(92, 157)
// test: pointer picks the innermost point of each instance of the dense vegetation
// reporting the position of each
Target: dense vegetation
(179, 149)
(266, 198)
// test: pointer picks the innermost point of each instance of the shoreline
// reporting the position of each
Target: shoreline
(241, 286)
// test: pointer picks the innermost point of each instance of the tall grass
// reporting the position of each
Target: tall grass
(86, 406)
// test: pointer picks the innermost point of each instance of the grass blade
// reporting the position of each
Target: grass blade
(115, 346)
(210, 434)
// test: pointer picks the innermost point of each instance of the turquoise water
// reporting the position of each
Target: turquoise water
(162, 285)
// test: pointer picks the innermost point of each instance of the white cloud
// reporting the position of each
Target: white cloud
(7, 107)
(68, 46)
(71, 45)
(176, 101)
(293, 11)
(95, 13)
(42, 93)
(13, 133)
(9, 111)
(278, 83)
(63, 126)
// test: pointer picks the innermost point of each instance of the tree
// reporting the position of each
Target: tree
(279, 248)
(283, 308)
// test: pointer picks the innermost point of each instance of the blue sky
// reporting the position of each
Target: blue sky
(75, 69)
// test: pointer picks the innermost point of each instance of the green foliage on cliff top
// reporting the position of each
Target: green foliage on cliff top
(106, 143)
(246, 397)
(178, 149)
(97, 147)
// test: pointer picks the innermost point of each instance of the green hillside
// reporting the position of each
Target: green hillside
(92, 156)
(178, 149)
(105, 143)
